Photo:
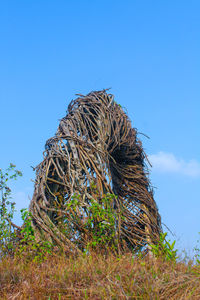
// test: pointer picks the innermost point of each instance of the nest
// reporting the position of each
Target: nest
(94, 155)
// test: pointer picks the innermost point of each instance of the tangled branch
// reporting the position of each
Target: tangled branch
(94, 153)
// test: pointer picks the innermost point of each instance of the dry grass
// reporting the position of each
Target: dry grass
(98, 277)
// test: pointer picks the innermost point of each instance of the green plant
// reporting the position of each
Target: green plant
(28, 245)
(164, 248)
(7, 208)
(94, 224)
(8, 237)
(197, 253)
(101, 223)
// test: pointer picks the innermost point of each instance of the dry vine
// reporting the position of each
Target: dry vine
(94, 152)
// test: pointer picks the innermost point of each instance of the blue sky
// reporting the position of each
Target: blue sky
(146, 51)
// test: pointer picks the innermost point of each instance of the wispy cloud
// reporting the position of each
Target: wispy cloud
(167, 162)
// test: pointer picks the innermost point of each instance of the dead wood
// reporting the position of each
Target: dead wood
(95, 145)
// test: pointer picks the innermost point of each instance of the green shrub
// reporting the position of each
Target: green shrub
(197, 253)
(164, 248)
(101, 223)
(7, 209)
(26, 245)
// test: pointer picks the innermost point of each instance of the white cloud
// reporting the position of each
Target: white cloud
(167, 162)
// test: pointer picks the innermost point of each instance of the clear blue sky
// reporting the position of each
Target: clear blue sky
(146, 51)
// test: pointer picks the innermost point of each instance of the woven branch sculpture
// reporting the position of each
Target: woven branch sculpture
(94, 155)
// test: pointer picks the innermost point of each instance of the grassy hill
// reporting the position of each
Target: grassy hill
(98, 277)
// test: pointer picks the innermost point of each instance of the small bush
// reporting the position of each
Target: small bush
(164, 248)
(102, 223)
(7, 209)
(10, 243)
(197, 252)
(28, 247)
